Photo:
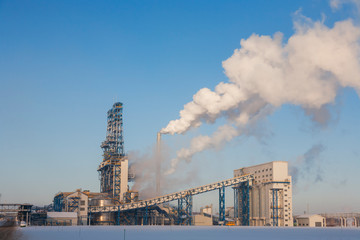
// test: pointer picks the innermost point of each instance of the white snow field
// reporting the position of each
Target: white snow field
(184, 233)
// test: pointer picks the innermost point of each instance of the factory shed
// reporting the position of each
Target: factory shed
(310, 220)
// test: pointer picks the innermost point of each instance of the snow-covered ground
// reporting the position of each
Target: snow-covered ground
(184, 233)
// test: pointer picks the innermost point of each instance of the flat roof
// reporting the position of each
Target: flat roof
(262, 164)
(307, 216)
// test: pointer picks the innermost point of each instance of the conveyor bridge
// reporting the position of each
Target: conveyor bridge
(172, 196)
(182, 196)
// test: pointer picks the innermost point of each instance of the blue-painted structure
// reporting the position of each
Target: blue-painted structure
(236, 205)
(275, 207)
(185, 210)
(113, 148)
(242, 203)
(146, 217)
(114, 143)
(73, 204)
(59, 202)
(245, 202)
(222, 205)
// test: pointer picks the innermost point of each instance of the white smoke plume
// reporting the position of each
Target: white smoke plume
(266, 72)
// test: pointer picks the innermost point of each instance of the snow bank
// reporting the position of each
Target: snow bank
(184, 232)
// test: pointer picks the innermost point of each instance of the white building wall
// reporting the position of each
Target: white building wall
(124, 177)
(310, 221)
(267, 176)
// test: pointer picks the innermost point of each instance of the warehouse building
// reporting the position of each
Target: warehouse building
(310, 220)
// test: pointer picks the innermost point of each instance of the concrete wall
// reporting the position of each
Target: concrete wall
(124, 177)
(201, 220)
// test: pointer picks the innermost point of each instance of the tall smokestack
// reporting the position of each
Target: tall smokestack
(158, 163)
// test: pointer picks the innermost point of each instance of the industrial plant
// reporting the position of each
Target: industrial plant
(262, 193)
(262, 196)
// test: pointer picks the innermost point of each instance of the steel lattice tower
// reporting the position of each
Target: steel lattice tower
(113, 170)
(114, 143)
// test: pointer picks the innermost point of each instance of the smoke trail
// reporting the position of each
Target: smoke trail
(336, 4)
(223, 134)
(308, 164)
(266, 72)
(144, 168)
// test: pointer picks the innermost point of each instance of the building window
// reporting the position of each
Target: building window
(82, 209)
(270, 174)
(82, 202)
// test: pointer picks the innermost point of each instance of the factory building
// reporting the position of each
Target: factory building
(113, 173)
(268, 196)
(77, 201)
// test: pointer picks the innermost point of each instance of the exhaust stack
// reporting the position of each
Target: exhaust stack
(158, 163)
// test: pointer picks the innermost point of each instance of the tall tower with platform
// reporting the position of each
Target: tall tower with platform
(113, 170)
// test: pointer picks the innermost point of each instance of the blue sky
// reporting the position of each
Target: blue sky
(64, 63)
